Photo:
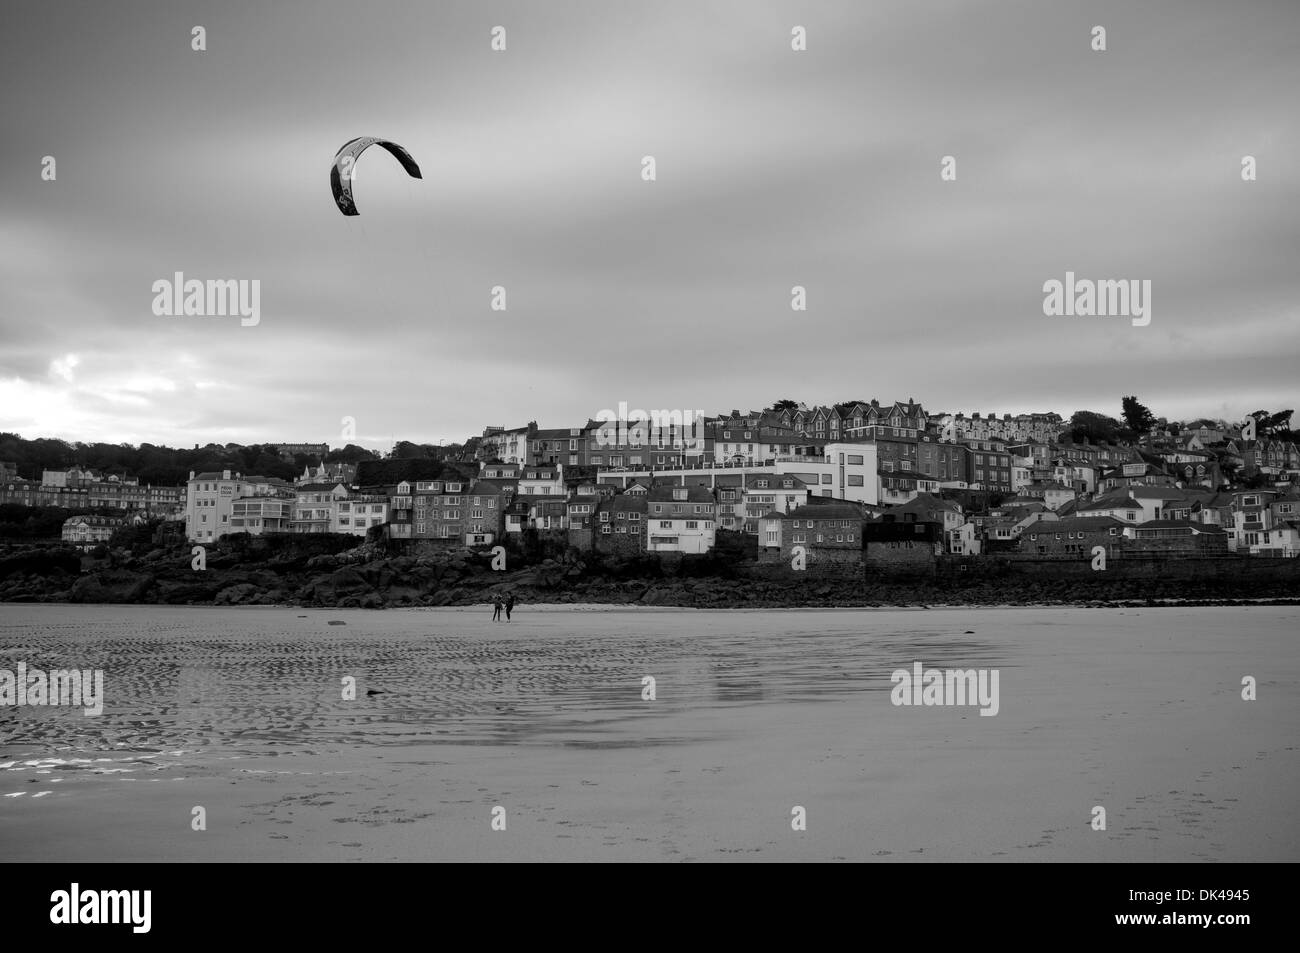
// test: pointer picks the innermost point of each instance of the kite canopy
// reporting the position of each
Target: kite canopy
(345, 163)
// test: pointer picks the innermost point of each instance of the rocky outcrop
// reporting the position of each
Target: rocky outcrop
(322, 572)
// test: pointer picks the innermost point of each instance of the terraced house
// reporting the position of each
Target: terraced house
(680, 518)
(619, 525)
(314, 507)
(827, 534)
(359, 512)
(456, 511)
(1073, 536)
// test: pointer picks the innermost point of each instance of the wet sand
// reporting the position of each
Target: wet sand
(240, 711)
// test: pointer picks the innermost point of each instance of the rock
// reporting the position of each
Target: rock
(113, 586)
(238, 595)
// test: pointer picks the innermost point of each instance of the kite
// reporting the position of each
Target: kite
(344, 168)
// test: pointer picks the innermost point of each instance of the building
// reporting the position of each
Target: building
(315, 507)
(928, 508)
(1074, 536)
(580, 511)
(452, 511)
(82, 489)
(990, 464)
(1123, 507)
(748, 496)
(290, 450)
(506, 446)
(681, 519)
(1176, 537)
(556, 447)
(892, 545)
(357, 513)
(1042, 428)
(257, 515)
(91, 530)
(824, 534)
(542, 480)
(210, 499)
(844, 471)
(619, 526)
(343, 473)
(838, 471)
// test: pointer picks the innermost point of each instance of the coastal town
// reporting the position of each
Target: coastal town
(856, 484)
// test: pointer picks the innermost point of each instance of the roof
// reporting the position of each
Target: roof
(1155, 493)
(623, 504)
(928, 501)
(1111, 503)
(775, 481)
(1075, 523)
(1182, 524)
(694, 494)
(488, 488)
(822, 511)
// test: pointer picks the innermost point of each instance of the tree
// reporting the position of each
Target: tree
(1093, 427)
(350, 454)
(1137, 417)
(786, 404)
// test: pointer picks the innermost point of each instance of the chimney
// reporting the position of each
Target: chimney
(225, 474)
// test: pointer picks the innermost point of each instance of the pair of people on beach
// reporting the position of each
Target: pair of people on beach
(497, 606)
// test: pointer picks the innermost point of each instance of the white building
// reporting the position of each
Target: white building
(679, 519)
(358, 513)
(542, 480)
(210, 498)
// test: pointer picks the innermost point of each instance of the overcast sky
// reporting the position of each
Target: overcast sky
(774, 168)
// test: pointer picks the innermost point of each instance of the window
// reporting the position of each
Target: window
(665, 524)
(605, 530)
(604, 516)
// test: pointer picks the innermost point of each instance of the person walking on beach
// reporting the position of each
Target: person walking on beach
(496, 609)
(510, 604)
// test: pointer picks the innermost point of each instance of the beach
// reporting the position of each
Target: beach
(242, 712)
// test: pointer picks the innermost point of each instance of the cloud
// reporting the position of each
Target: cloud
(775, 168)
(62, 367)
